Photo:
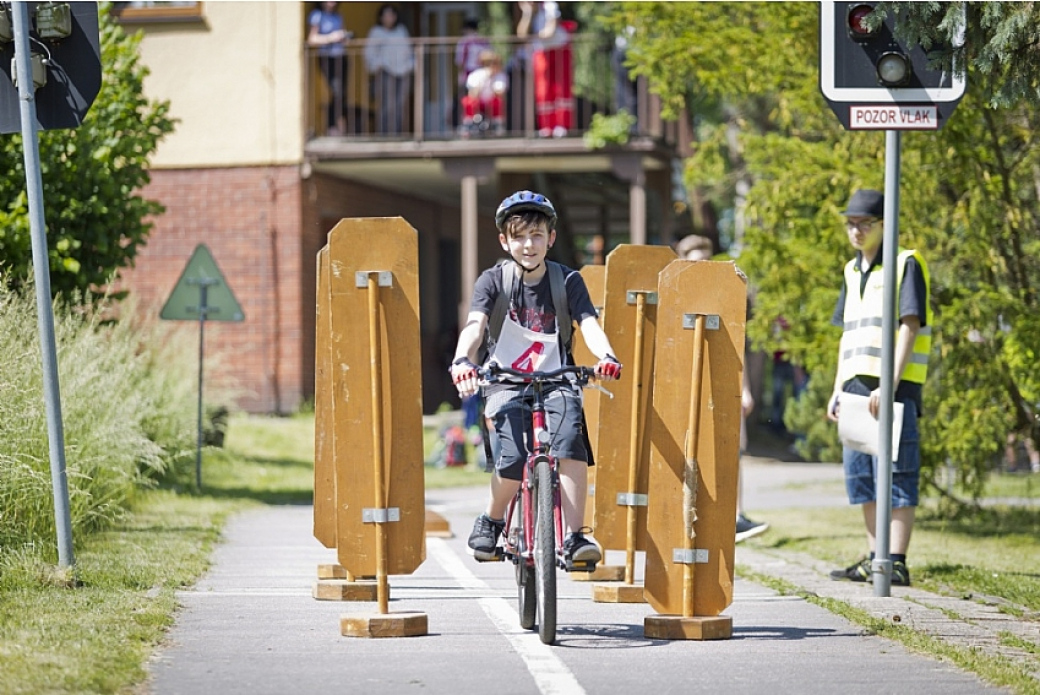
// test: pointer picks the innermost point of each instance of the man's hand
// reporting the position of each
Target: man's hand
(608, 369)
(874, 406)
(832, 407)
(464, 376)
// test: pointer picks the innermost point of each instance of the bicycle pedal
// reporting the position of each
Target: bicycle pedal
(580, 566)
(499, 556)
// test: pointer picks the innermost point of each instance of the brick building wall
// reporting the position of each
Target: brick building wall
(264, 227)
(250, 219)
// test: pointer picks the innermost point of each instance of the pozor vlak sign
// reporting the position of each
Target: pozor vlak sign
(873, 81)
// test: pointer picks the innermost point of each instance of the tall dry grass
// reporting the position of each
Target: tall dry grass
(128, 410)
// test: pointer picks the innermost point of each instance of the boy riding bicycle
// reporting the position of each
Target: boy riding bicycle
(530, 340)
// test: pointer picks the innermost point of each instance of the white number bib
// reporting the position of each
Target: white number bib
(525, 350)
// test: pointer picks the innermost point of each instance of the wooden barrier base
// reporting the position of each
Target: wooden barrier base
(699, 627)
(618, 593)
(345, 590)
(437, 526)
(333, 571)
(603, 573)
(383, 625)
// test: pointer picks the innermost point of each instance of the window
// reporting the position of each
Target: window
(144, 11)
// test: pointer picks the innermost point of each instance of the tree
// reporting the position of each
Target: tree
(769, 148)
(92, 176)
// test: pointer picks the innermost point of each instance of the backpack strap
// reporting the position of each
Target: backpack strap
(498, 312)
(564, 324)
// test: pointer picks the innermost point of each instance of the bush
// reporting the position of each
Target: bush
(127, 403)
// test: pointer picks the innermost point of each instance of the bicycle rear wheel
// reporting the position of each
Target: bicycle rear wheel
(525, 588)
(545, 549)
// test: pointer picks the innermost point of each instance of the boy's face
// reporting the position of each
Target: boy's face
(528, 245)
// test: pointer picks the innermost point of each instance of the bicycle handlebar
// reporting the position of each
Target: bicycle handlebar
(494, 369)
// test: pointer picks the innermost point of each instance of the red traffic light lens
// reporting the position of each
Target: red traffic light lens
(856, 22)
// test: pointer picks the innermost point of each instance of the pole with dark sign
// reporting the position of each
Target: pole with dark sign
(42, 276)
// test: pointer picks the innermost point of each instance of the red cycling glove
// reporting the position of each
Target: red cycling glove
(461, 370)
(608, 368)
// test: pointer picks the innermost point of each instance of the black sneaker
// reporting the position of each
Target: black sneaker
(578, 548)
(746, 528)
(484, 538)
(900, 574)
(859, 572)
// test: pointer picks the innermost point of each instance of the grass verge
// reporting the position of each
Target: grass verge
(996, 670)
(97, 637)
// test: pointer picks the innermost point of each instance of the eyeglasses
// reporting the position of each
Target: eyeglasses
(862, 225)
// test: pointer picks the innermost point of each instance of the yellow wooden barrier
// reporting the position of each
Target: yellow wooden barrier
(377, 401)
(623, 446)
(695, 449)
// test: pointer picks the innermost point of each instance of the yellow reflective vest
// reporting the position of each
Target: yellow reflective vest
(861, 342)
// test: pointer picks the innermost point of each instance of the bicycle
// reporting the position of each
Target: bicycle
(533, 541)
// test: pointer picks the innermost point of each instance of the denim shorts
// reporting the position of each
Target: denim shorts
(513, 431)
(861, 469)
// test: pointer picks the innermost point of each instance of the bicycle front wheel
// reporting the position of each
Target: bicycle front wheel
(545, 549)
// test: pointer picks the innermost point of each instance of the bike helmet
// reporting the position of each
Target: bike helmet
(525, 200)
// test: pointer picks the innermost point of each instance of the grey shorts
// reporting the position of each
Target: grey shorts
(512, 421)
(861, 468)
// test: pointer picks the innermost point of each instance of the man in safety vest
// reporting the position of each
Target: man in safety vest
(859, 313)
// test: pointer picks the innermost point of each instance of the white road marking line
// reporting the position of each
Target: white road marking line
(550, 674)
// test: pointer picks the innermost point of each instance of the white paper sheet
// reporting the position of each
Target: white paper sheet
(858, 429)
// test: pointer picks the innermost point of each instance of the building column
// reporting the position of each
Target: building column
(469, 243)
(630, 168)
(470, 172)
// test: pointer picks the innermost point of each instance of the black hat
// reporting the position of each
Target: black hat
(866, 203)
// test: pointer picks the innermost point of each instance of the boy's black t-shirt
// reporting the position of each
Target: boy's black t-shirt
(533, 307)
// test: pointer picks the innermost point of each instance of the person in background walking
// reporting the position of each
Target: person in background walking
(389, 58)
(859, 311)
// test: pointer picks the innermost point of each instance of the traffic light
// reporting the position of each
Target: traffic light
(67, 64)
(862, 66)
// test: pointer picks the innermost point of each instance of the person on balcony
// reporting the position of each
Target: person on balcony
(551, 65)
(483, 106)
(328, 37)
(389, 59)
(468, 50)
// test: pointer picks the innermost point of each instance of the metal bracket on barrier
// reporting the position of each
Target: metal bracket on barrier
(651, 296)
(693, 556)
(375, 515)
(631, 499)
(711, 322)
(386, 278)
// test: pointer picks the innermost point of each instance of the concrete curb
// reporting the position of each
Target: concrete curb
(970, 622)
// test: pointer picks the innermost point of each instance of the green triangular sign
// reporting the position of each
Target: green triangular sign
(185, 301)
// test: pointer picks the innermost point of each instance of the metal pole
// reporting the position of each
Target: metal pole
(881, 567)
(41, 273)
(634, 448)
(203, 305)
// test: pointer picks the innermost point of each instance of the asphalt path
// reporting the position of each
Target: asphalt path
(251, 625)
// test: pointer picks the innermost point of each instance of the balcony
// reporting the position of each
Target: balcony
(350, 112)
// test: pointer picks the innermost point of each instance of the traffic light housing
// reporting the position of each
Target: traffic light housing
(66, 35)
(862, 63)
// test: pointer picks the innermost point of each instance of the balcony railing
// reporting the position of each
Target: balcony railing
(345, 98)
